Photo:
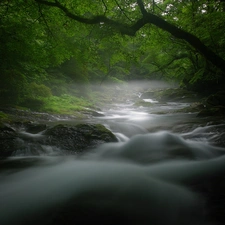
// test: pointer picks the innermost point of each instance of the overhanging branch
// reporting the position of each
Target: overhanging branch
(123, 28)
(142, 7)
(147, 18)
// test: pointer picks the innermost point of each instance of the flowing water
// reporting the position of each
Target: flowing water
(158, 173)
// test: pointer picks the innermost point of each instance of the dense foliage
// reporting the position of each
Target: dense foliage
(49, 47)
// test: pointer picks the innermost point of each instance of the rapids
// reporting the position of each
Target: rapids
(155, 174)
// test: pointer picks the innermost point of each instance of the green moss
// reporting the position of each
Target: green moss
(3, 116)
(65, 104)
(39, 90)
(96, 131)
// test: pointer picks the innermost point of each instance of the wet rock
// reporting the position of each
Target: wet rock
(171, 95)
(35, 128)
(8, 140)
(79, 137)
(28, 126)
(212, 111)
(143, 103)
(214, 105)
(25, 138)
(93, 113)
(149, 94)
(217, 99)
(192, 108)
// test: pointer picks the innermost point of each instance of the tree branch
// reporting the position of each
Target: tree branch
(188, 37)
(46, 24)
(160, 68)
(106, 8)
(148, 18)
(142, 7)
(56, 4)
(122, 10)
(123, 28)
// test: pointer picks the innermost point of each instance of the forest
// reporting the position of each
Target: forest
(112, 112)
(53, 50)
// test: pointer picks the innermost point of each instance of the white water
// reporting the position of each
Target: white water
(125, 188)
(146, 178)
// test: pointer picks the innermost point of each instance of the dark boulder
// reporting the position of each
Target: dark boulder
(214, 105)
(35, 128)
(217, 99)
(79, 137)
(26, 139)
(8, 140)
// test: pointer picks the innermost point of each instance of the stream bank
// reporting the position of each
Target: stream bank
(23, 132)
(127, 158)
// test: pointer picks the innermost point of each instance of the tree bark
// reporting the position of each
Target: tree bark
(147, 18)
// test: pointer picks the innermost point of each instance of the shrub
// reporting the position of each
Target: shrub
(33, 104)
(39, 90)
(12, 87)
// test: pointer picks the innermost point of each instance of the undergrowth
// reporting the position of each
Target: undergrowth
(65, 104)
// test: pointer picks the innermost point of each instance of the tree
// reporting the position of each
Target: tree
(204, 19)
(33, 39)
(56, 42)
(109, 13)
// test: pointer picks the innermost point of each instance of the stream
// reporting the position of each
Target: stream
(166, 168)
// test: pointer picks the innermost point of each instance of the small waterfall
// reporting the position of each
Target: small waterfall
(167, 169)
(32, 144)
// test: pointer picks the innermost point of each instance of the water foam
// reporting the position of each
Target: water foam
(114, 184)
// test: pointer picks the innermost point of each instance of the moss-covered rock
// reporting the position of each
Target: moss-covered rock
(79, 137)
(24, 138)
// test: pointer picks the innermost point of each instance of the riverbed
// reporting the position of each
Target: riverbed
(166, 168)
